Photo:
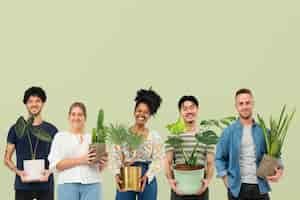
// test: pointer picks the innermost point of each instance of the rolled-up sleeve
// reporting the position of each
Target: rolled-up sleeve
(221, 158)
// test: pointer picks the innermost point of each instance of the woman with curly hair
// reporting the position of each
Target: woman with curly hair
(149, 154)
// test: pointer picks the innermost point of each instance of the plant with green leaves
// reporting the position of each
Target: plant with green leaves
(99, 134)
(275, 136)
(122, 136)
(99, 137)
(25, 128)
(206, 136)
(276, 133)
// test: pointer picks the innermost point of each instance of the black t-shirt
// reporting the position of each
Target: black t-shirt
(22, 146)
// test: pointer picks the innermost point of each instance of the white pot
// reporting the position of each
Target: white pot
(33, 169)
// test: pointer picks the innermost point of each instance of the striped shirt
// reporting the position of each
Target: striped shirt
(189, 143)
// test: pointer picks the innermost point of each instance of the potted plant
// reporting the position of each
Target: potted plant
(99, 136)
(274, 137)
(34, 167)
(126, 143)
(188, 175)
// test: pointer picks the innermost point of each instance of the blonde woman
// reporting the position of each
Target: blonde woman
(70, 158)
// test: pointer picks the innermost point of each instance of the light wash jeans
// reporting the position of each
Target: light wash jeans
(78, 191)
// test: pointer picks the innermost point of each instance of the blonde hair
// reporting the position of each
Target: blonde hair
(79, 105)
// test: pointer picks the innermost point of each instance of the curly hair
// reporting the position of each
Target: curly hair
(35, 91)
(150, 98)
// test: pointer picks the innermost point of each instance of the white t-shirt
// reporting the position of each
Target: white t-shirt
(67, 145)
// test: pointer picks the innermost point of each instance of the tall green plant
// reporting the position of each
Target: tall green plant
(99, 134)
(23, 128)
(206, 136)
(276, 133)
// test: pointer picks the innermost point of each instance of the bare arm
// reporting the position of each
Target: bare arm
(168, 164)
(10, 149)
(210, 166)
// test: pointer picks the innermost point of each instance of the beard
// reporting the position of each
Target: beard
(246, 117)
(34, 114)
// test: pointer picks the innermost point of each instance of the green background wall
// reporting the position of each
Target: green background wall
(101, 52)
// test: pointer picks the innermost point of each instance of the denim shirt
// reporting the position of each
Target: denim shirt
(228, 156)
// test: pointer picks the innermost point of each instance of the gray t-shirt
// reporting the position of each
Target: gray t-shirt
(248, 157)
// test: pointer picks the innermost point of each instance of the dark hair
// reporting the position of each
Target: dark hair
(35, 91)
(150, 98)
(187, 98)
(243, 91)
(80, 105)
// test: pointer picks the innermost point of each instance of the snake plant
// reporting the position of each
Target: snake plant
(276, 133)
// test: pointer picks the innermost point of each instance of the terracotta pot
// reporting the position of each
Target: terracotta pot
(33, 169)
(188, 178)
(131, 175)
(267, 166)
(100, 149)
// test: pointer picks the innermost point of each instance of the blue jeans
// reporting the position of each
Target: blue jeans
(149, 193)
(78, 191)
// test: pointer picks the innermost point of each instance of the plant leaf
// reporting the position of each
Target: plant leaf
(100, 121)
(117, 134)
(20, 127)
(174, 141)
(208, 137)
(94, 136)
(41, 134)
(265, 131)
(177, 128)
(134, 141)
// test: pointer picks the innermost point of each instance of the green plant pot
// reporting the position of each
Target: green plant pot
(100, 149)
(188, 181)
(267, 166)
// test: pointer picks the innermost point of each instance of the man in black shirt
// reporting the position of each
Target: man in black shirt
(34, 99)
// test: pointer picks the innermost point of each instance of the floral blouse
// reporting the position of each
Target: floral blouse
(151, 150)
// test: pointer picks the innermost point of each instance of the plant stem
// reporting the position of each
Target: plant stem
(194, 150)
(30, 143)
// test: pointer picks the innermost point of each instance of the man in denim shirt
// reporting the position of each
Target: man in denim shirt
(239, 152)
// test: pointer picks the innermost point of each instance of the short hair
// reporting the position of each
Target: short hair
(187, 98)
(150, 98)
(243, 91)
(79, 105)
(35, 91)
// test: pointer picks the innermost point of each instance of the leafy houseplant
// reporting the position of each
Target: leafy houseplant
(274, 138)
(127, 143)
(23, 128)
(189, 174)
(99, 137)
